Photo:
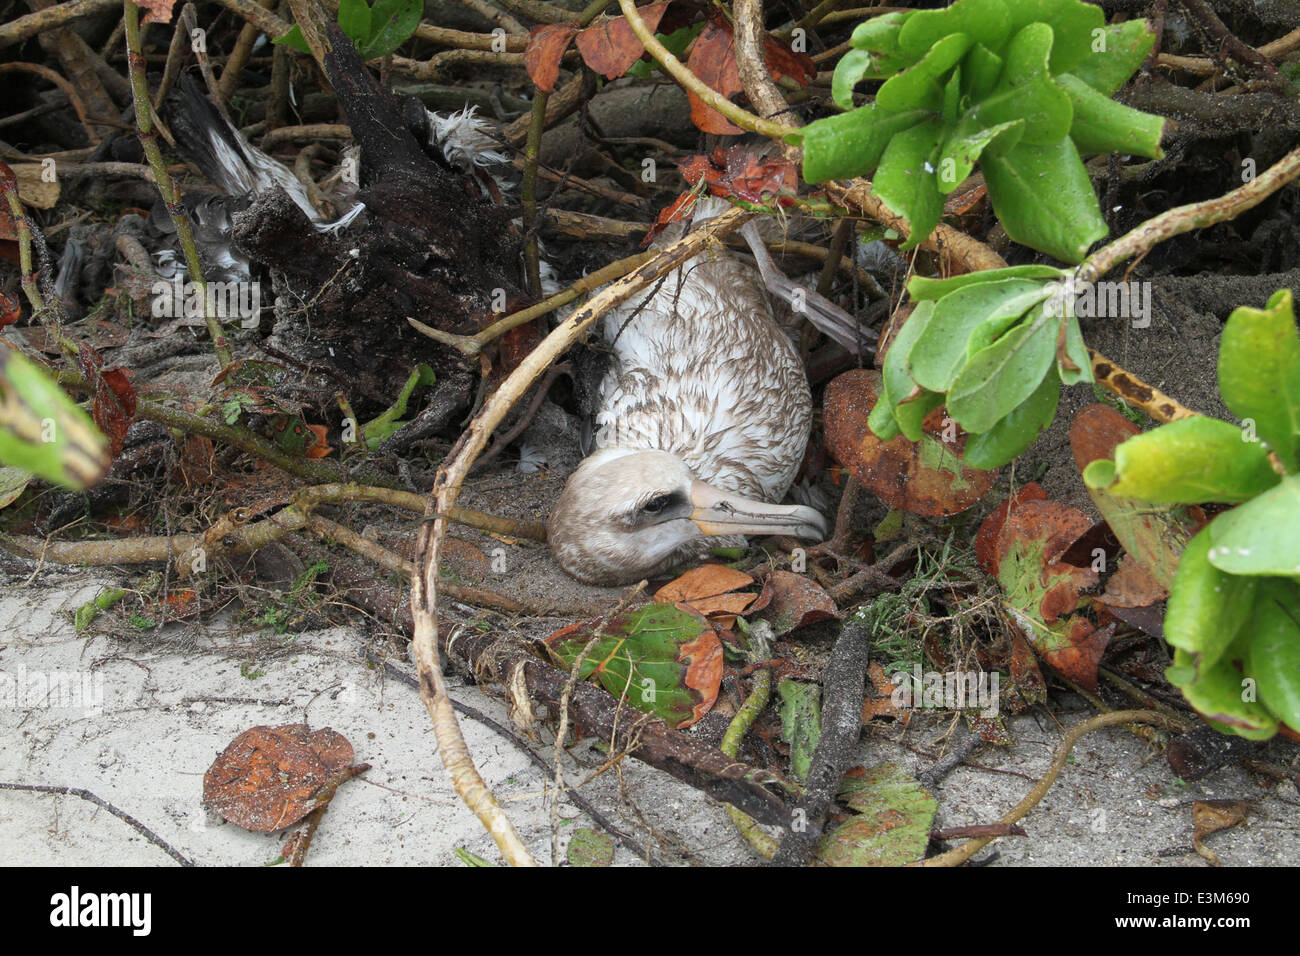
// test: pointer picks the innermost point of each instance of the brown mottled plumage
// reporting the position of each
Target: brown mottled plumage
(703, 419)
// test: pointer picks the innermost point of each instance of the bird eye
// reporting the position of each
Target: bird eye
(656, 504)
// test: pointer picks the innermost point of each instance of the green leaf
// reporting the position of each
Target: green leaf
(951, 96)
(1073, 23)
(590, 847)
(1103, 126)
(892, 824)
(1207, 608)
(980, 71)
(1189, 461)
(42, 430)
(919, 86)
(1125, 46)
(1274, 655)
(851, 144)
(663, 658)
(1013, 435)
(354, 19)
(882, 422)
(1044, 198)
(380, 429)
(13, 482)
(1077, 352)
(1217, 694)
(1262, 536)
(879, 37)
(391, 24)
(294, 40)
(941, 349)
(905, 180)
(999, 378)
(965, 144)
(854, 66)
(984, 21)
(897, 384)
(921, 287)
(801, 722)
(1259, 374)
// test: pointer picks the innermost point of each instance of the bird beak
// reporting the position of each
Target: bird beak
(723, 512)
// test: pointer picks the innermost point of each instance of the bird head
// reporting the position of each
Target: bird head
(627, 514)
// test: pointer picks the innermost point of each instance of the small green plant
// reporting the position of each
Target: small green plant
(1234, 610)
(375, 30)
(995, 347)
(1022, 86)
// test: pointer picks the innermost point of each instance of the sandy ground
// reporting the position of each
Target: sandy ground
(156, 716)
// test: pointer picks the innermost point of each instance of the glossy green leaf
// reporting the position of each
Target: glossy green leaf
(1259, 374)
(294, 40)
(42, 431)
(1274, 655)
(1073, 24)
(662, 658)
(1077, 352)
(999, 378)
(879, 36)
(891, 826)
(1190, 461)
(1044, 198)
(1101, 125)
(882, 422)
(941, 349)
(392, 22)
(851, 144)
(1207, 608)
(354, 19)
(380, 429)
(801, 722)
(980, 71)
(984, 21)
(965, 144)
(905, 180)
(897, 383)
(1013, 435)
(920, 86)
(1262, 536)
(854, 66)
(920, 288)
(1219, 695)
(951, 97)
(1123, 48)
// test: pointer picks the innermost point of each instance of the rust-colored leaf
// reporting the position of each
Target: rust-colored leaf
(1095, 432)
(744, 172)
(713, 61)
(792, 601)
(986, 539)
(271, 777)
(10, 308)
(1211, 816)
(113, 408)
(545, 50)
(705, 581)
(1079, 659)
(197, 462)
(610, 47)
(925, 477)
(879, 701)
(1132, 586)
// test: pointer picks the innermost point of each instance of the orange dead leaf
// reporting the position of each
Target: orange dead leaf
(546, 46)
(610, 47)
